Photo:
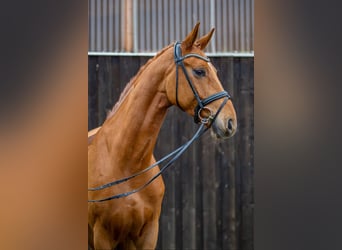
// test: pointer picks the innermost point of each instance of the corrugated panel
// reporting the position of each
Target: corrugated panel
(150, 25)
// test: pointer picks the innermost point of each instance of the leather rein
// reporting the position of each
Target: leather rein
(173, 156)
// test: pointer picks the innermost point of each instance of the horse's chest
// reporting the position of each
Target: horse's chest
(130, 218)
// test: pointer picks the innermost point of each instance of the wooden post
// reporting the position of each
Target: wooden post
(128, 39)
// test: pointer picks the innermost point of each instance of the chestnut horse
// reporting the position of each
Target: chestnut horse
(180, 75)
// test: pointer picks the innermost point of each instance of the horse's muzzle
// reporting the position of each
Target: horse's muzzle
(223, 128)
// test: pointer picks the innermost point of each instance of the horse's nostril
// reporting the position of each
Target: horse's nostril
(230, 124)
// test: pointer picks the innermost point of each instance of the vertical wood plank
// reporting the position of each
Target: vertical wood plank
(232, 221)
(209, 196)
(102, 89)
(188, 166)
(199, 199)
(246, 148)
(92, 93)
(115, 81)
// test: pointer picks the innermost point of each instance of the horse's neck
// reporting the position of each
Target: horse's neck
(135, 126)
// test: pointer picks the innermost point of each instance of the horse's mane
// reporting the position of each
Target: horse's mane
(133, 81)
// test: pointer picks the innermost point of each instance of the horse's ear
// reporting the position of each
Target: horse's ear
(204, 40)
(191, 38)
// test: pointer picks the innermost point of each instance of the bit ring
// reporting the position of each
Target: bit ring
(205, 120)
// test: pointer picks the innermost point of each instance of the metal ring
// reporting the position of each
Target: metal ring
(205, 120)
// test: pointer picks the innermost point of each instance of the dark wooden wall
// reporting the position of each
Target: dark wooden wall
(209, 199)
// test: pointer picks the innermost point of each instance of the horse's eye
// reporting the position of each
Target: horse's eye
(199, 72)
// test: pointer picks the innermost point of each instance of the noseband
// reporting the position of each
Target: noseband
(201, 103)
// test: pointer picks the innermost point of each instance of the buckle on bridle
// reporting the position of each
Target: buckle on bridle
(205, 120)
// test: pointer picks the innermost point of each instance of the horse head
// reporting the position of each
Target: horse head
(197, 89)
